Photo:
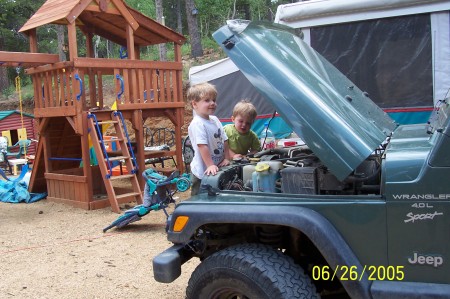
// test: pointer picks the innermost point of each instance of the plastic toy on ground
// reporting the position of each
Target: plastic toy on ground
(158, 194)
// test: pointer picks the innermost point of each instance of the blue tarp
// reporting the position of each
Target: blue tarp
(16, 190)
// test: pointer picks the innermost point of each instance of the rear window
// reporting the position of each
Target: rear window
(389, 58)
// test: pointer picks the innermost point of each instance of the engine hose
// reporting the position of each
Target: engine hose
(278, 150)
(353, 179)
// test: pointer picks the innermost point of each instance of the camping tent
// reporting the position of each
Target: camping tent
(396, 50)
(232, 86)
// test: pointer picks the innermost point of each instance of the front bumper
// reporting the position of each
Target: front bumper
(167, 265)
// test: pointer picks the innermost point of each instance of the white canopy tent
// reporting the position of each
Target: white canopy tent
(308, 15)
(232, 86)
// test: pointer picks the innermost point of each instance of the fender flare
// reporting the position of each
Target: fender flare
(317, 228)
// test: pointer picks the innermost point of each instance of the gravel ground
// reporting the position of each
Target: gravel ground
(51, 250)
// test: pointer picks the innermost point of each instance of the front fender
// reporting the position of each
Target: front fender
(316, 227)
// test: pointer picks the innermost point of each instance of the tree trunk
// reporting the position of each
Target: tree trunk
(160, 18)
(195, 39)
(96, 44)
(109, 49)
(179, 20)
(4, 83)
(61, 42)
(270, 14)
(3, 72)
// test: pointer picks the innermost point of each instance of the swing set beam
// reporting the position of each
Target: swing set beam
(26, 59)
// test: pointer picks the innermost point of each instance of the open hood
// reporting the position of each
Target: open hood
(338, 121)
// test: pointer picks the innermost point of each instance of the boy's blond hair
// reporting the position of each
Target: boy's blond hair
(246, 109)
(198, 91)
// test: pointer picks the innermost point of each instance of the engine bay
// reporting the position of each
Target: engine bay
(295, 170)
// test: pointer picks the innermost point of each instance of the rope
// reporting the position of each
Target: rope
(19, 92)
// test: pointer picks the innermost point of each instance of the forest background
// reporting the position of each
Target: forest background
(195, 19)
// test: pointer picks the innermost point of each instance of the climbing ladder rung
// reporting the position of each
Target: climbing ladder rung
(113, 140)
(128, 195)
(126, 156)
(107, 122)
(117, 158)
(123, 176)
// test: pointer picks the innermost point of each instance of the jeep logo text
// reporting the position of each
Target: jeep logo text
(431, 260)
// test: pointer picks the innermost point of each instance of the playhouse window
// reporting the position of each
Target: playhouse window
(14, 136)
(389, 58)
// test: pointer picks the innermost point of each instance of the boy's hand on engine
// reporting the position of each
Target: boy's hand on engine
(224, 162)
(211, 170)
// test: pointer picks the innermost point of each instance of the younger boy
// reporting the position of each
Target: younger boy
(206, 133)
(241, 139)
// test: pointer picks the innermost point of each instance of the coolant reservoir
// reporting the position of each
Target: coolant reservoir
(264, 178)
(247, 172)
(275, 166)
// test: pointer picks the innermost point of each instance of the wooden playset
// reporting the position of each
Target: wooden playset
(69, 99)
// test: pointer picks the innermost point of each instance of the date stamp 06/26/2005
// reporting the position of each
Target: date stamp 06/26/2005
(343, 272)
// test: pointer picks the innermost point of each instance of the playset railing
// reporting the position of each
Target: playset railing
(68, 88)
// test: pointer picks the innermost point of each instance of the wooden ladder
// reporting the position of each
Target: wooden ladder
(105, 160)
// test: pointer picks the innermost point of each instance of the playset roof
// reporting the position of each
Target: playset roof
(106, 18)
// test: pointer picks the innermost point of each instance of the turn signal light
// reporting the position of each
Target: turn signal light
(180, 223)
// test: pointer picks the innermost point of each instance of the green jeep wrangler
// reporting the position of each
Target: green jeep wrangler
(359, 210)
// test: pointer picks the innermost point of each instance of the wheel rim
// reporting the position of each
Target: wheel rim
(228, 293)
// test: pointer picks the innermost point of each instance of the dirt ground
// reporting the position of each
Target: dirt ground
(51, 250)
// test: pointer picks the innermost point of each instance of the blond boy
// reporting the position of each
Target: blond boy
(206, 133)
(241, 139)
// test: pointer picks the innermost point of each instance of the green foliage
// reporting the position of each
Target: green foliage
(145, 7)
(13, 15)
(209, 43)
(27, 93)
(8, 91)
(212, 15)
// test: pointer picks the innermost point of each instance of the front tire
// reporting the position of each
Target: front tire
(251, 271)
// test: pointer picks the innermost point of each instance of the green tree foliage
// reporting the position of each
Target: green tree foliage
(212, 14)
(13, 15)
(146, 7)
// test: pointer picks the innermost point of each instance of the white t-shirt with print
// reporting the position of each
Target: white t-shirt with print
(209, 132)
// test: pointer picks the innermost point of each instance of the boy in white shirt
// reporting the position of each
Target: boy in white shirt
(208, 138)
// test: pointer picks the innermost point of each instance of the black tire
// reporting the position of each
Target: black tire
(251, 271)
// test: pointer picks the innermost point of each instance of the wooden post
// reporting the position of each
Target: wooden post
(33, 40)
(138, 125)
(85, 154)
(91, 73)
(72, 37)
(179, 75)
(132, 56)
(178, 95)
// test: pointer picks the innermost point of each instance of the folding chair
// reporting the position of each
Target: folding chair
(18, 150)
(160, 139)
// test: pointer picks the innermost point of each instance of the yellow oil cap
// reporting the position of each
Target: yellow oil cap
(262, 167)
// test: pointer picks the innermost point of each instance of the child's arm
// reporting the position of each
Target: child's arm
(256, 145)
(226, 150)
(252, 152)
(211, 168)
(233, 154)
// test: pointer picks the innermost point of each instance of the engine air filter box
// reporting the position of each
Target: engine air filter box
(299, 180)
